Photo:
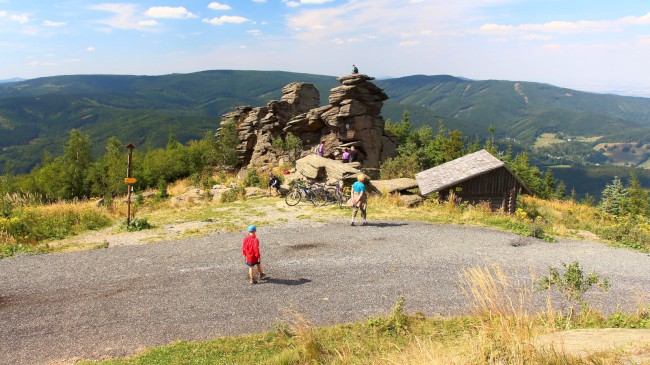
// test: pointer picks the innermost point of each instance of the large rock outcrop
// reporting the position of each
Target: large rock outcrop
(352, 118)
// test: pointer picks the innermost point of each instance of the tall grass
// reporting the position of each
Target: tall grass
(34, 224)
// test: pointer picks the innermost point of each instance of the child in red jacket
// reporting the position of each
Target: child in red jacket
(250, 249)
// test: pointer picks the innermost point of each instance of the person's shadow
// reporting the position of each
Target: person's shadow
(287, 281)
(384, 224)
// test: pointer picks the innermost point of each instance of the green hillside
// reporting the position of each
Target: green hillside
(37, 115)
(521, 110)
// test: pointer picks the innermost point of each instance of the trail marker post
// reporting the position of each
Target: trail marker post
(129, 180)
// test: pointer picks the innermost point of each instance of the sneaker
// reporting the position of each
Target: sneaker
(364, 223)
(352, 223)
(262, 276)
(253, 281)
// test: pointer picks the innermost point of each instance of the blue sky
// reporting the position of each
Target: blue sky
(594, 45)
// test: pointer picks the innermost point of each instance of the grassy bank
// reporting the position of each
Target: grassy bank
(501, 329)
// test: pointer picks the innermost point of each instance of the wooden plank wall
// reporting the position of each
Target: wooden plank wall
(494, 187)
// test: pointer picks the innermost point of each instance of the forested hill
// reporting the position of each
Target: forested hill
(523, 110)
(37, 115)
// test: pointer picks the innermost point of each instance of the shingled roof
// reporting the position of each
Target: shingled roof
(459, 170)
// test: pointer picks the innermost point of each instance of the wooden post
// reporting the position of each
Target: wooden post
(130, 147)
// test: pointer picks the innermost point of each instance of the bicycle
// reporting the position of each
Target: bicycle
(337, 194)
(314, 194)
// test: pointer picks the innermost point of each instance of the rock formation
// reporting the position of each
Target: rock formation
(352, 118)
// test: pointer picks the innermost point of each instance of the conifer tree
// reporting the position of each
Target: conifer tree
(614, 196)
(638, 197)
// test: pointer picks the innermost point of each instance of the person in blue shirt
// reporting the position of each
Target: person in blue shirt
(359, 199)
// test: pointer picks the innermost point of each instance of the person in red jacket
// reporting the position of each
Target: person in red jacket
(250, 249)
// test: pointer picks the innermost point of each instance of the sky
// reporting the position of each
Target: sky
(591, 45)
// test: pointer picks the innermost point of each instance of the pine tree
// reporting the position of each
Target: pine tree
(614, 196)
(638, 197)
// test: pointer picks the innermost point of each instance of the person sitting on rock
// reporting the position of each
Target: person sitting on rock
(274, 183)
(353, 154)
(346, 155)
(355, 70)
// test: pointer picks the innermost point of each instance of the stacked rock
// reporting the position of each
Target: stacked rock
(352, 118)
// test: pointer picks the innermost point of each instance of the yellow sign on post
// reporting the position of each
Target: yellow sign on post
(130, 180)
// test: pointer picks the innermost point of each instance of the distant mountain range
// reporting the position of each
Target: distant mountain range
(15, 79)
(37, 114)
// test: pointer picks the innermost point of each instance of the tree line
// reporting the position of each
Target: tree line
(76, 174)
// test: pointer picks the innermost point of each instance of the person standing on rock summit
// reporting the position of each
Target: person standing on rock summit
(355, 70)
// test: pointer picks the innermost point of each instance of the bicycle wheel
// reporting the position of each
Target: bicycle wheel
(317, 196)
(330, 195)
(340, 200)
(293, 197)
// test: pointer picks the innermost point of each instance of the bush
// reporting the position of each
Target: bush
(253, 179)
(573, 284)
(232, 195)
(394, 325)
(7, 250)
(138, 224)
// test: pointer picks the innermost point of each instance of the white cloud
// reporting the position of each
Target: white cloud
(20, 18)
(124, 16)
(296, 3)
(387, 18)
(226, 19)
(536, 37)
(3, 13)
(259, 1)
(148, 23)
(569, 27)
(169, 12)
(218, 6)
(90, 49)
(49, 23)
(255, 32)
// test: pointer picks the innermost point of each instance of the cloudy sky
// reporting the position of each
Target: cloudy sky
(594, 45)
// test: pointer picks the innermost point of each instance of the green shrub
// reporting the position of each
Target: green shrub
(138, 224)
(232, 195)
(253, 179)
(162, 189)
(573, 284)
(396, 324)
(7, 250)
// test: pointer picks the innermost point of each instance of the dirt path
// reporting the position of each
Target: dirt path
(116, 301)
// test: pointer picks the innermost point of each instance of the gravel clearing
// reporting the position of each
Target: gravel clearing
(58, 308)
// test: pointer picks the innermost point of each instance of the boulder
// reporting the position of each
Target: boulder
(394, 185)
(410, 200)
(320, 168)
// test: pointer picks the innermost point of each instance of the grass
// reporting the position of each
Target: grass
(547, 139)
(500, 329)
(535, 217)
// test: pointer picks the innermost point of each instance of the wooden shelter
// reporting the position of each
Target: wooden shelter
(474, 178)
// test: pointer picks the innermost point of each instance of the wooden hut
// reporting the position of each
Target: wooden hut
(474, 178)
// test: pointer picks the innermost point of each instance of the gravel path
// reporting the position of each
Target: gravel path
(113, 302)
